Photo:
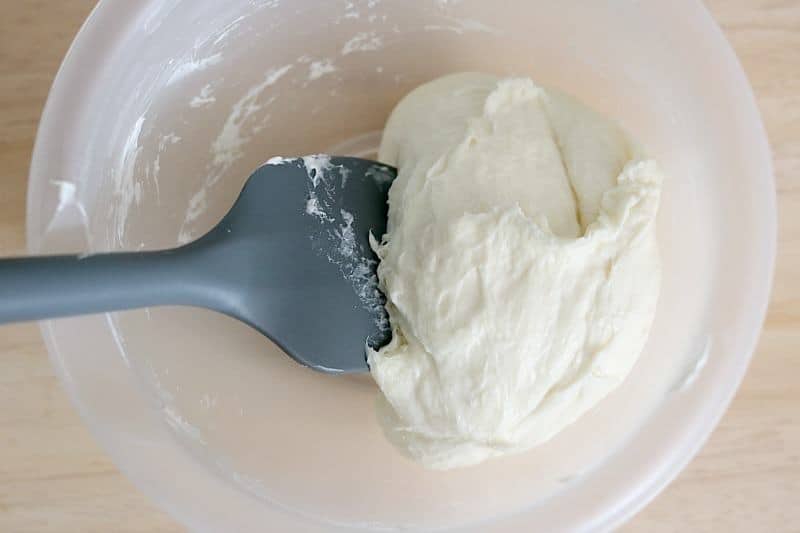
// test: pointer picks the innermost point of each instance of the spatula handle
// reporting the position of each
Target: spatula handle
(34, 288)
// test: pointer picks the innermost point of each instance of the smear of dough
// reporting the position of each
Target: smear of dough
(520, 266)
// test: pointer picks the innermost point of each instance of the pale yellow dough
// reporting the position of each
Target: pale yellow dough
(520, 266)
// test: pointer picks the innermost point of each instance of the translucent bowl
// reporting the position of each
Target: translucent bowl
(163, 107)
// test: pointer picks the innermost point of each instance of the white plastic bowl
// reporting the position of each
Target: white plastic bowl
(163, 107)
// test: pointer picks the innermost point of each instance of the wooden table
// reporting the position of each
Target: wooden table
(53, 477)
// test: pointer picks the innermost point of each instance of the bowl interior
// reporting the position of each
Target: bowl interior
(171, 104)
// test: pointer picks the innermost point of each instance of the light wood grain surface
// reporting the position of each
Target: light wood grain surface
(53, 477)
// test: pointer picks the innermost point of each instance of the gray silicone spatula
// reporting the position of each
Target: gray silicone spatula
(291, 259)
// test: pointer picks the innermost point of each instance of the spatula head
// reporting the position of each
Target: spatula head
(293, 258)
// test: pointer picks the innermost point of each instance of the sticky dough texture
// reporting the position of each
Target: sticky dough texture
(520, 266)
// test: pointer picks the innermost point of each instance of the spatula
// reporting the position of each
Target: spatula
(291, 258)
